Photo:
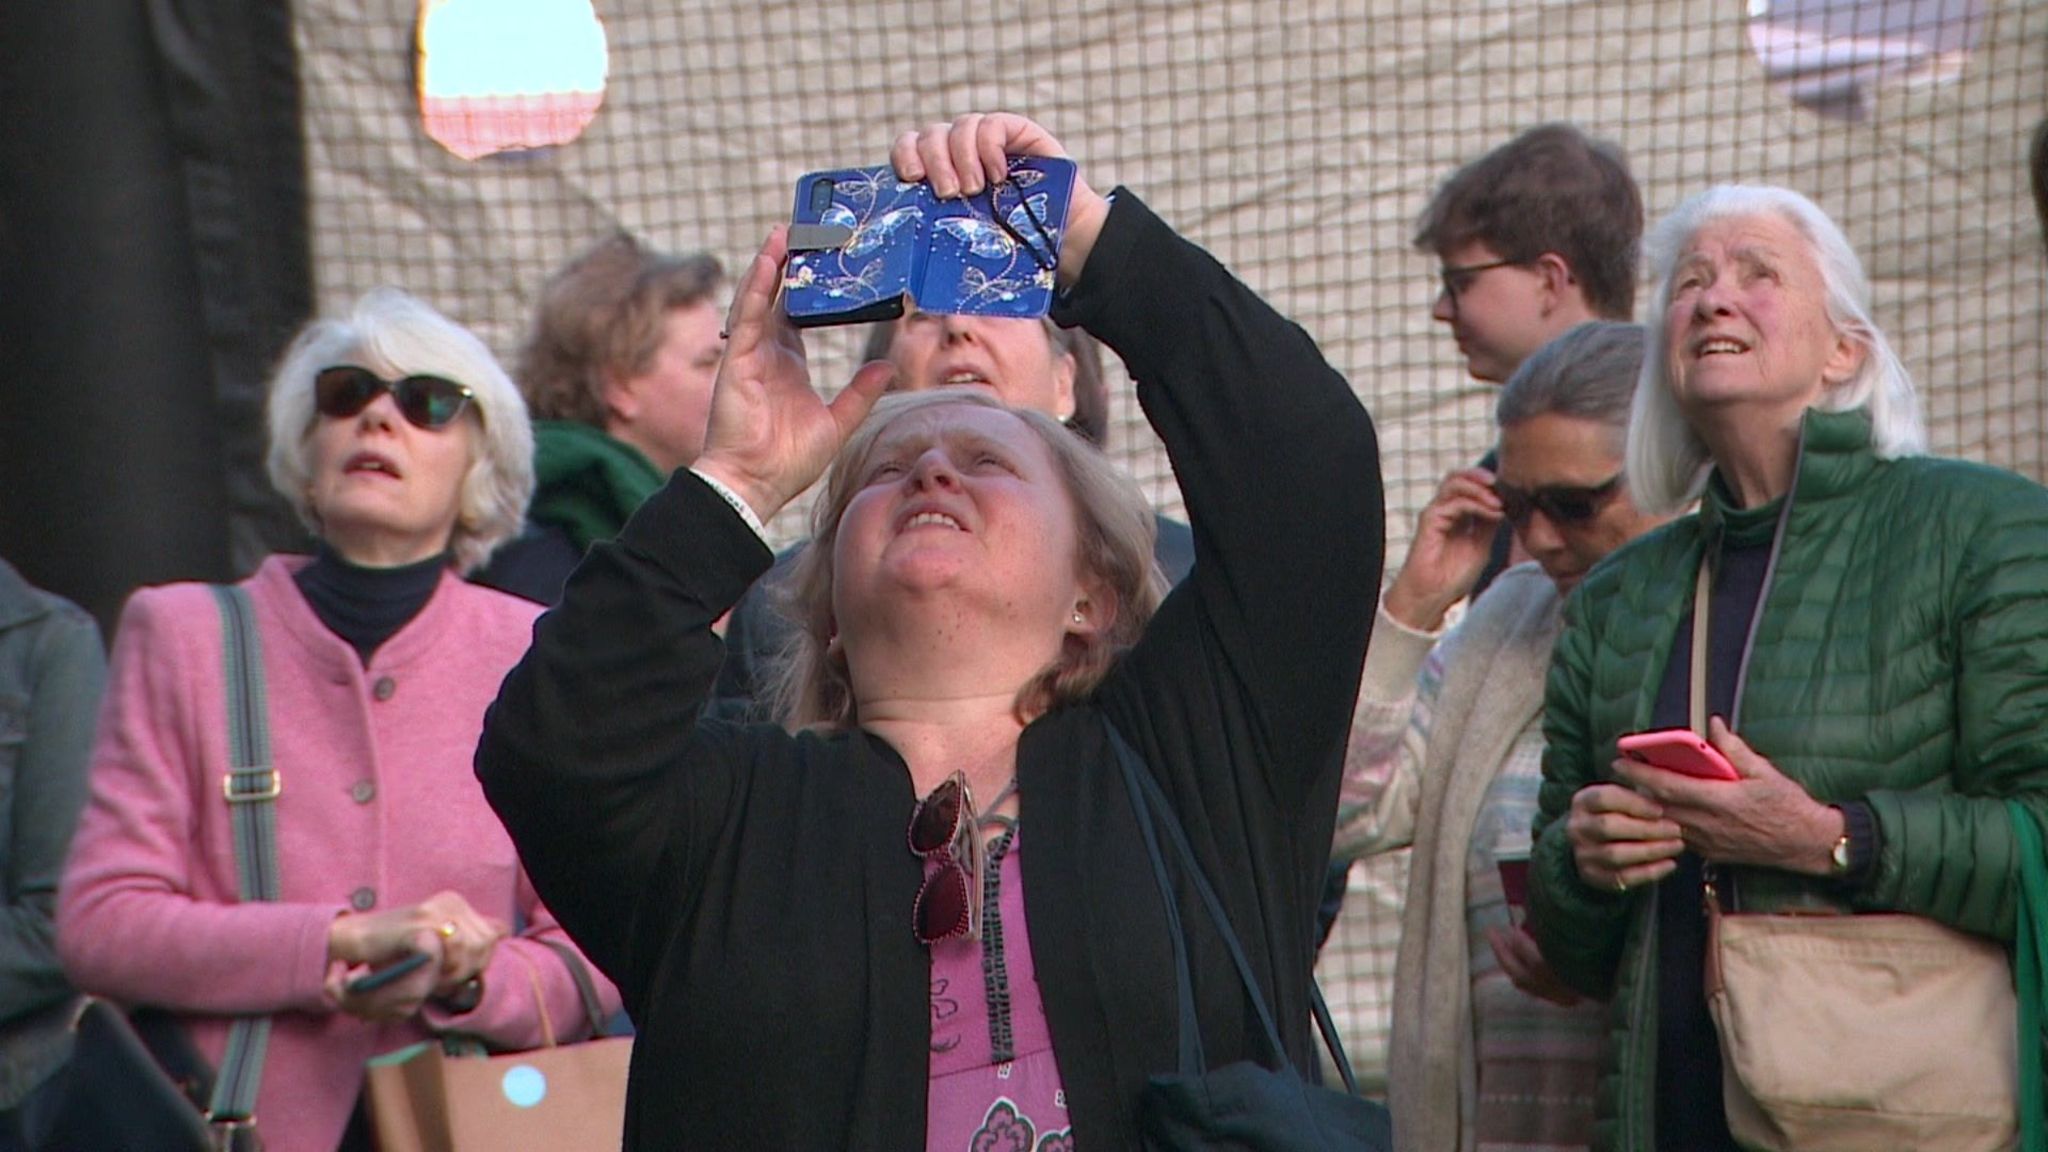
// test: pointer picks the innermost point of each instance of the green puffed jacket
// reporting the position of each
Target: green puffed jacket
(1901, 659)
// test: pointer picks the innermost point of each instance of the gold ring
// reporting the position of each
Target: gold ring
(447, 929)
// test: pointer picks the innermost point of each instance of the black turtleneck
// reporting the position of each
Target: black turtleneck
(367, 606)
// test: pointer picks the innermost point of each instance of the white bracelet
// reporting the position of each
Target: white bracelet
(738, 505)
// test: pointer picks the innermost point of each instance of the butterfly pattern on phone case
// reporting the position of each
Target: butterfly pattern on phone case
(992, 254)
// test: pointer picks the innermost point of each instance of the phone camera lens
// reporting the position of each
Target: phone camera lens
(821, 197)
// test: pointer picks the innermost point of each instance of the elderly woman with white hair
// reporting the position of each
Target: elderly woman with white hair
(406, 449)
(1870, 621)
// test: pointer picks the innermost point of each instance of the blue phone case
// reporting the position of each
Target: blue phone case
(863, 243)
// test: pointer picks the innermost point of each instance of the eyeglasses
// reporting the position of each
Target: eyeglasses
(425, 401)
(943, 829)
(1563, 504)
(1457, 279)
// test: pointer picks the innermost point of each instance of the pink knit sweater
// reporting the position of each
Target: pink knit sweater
(379, 809)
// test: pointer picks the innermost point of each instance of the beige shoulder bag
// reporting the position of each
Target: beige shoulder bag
(1856, 1032)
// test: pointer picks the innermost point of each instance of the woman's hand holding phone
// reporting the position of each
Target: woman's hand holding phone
(1620, 839)
(1678, 750)
(374, 977)
(769, 436)
(957, 159)
(1762, 817)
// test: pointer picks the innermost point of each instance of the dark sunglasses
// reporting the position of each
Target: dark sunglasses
(425, 401)
(943, 829)
(1561, 503)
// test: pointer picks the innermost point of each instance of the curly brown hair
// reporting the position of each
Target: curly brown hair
(600, 317)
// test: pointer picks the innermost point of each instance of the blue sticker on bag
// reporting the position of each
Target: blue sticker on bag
(524, 1085)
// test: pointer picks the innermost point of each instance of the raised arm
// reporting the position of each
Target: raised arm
(1390, 730)
(1280, 469)
(1277, 460)
(593, 754)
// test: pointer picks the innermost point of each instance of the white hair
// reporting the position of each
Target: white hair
(395, 335)
(1667, 462)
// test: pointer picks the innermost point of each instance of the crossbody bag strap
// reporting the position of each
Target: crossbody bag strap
(1696, 700)
(579, 971)
(2030, 974)
(251, 787)
(1153, 808)
(1192, 1062)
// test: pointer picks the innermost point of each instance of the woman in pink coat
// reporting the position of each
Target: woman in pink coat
(405, 448)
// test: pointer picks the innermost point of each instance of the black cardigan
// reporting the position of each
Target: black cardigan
(750, 891)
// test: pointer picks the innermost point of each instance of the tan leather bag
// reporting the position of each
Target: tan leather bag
(557, 1098)
(1854, 1033)
(1862, 1032)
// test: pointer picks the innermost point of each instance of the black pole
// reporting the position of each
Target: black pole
(137, 308)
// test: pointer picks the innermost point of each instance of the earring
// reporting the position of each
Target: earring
(1080, 619)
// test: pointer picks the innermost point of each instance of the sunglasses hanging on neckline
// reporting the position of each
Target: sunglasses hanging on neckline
(944, 829)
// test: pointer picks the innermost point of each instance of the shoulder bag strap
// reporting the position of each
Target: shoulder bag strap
(251, 786)
(2030, 973)
(1192, 1062)
(1153, 808)
(1696, 695)
(579, 971)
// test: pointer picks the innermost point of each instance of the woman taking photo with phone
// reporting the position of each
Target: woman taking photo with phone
(402, 444)
(1868, 623)
(923, 919)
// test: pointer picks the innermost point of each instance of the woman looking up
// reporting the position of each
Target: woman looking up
(977, 611)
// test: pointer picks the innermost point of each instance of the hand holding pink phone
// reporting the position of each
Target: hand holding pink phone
(1679, 750)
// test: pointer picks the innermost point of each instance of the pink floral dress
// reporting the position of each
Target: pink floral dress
(994, 1084)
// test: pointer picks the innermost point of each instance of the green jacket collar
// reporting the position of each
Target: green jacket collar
(586, 482)
(1834, 460)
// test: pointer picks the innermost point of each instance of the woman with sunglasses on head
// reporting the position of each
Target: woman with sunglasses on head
(1488, 1049)
(404, 447)
(923, 918)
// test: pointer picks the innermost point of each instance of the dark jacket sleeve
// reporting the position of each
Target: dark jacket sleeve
(64, 671)
(592, 754)
(1280, 467)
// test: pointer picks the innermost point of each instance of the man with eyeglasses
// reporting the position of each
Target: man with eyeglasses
(1532, 239)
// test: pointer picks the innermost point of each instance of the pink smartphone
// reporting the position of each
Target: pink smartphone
(1679, 750)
